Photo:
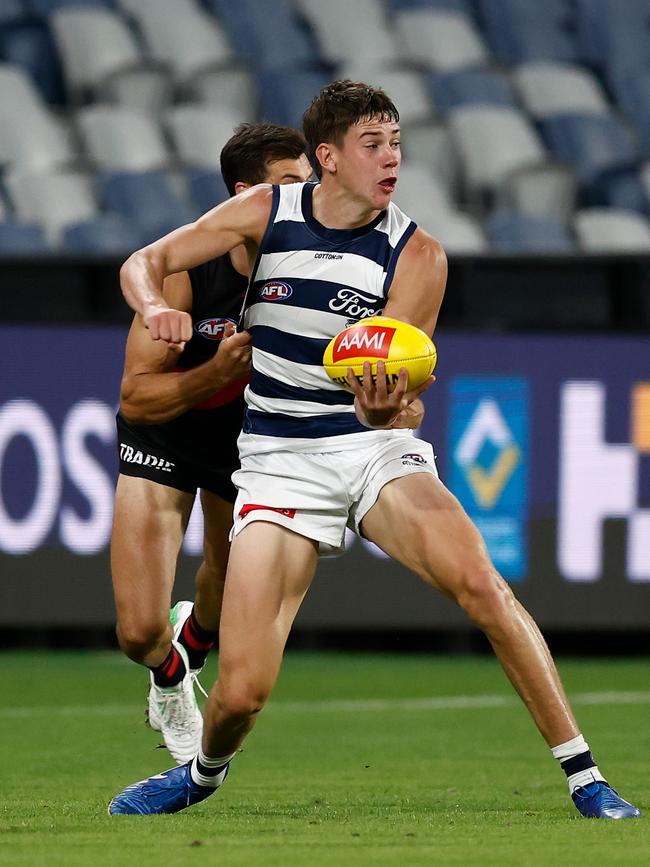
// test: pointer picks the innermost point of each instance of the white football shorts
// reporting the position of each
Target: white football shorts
(319, 495)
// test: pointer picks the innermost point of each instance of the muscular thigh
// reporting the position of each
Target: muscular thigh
(148, 527)
(418, 522)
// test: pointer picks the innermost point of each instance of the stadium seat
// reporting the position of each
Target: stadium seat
(632, 91)
(591, 144)
(143, 90)
(47, 7)
(31, 46)
(512, 232)
(146, 200)
(404, 86)
(107, 234)
(491, 143)
(53, 200)
(469, 87)
(181, 34)
(439, 40)
(602, 230)
(94, 43)
(623, 189)
(613, 36)
(548, 190)
(417, 185)
(19, 239)
(464, 6)
(350, 32)
(207, 188)
(33, 140)
(285, 94)
(18, 94)
(12, 12)
(519, 31)
(231, 89)
(199, 132)
(457, 232)
(263, 40)
(431, 145)
(122, 139)
(547, 88)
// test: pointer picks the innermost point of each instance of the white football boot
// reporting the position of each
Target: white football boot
(173, 711)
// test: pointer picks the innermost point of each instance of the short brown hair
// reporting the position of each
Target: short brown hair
(339, 106)
(244, 157)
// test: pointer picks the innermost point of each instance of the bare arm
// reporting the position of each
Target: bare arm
(240, 220)
(152, 391)
(415, 297)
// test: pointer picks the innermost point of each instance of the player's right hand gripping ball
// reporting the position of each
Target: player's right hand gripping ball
(380, 338)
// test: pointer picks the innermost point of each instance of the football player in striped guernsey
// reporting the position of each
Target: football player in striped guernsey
(315, 459)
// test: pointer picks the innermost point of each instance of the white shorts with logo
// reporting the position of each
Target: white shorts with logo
(318, 495)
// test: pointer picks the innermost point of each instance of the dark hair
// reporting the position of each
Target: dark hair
(339, 106)
(245, 155)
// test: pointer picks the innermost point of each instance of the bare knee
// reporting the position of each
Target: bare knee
(486, 598)
(241, 700)
(140, 639)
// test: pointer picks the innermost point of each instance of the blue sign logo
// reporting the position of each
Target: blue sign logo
(489, 463)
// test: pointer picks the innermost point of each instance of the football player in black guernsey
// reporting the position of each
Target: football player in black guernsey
(181, 408)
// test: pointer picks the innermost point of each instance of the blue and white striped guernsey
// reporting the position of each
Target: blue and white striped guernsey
(310, 282)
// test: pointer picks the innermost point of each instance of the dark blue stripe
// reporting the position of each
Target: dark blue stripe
(317, 295)
(398, 249)
(277, 425)
(289, 235)
(266, 386)
(267, 234)
(293, 347)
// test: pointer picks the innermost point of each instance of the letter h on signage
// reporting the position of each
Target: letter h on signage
(600, 480)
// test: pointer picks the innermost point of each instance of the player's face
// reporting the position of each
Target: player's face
(288, 171)
(369, 161)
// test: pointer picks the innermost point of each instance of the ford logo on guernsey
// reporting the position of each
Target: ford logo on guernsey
(275, 291)
(212, 329)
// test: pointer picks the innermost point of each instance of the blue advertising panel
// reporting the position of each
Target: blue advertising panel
(488, 463)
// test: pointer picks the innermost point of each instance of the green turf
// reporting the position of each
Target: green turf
(319, 783)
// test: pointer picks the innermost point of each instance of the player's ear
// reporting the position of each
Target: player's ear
(326, 157)
(240, 186)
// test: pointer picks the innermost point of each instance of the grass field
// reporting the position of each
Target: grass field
(359, 760)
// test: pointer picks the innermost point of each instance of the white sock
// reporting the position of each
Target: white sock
(577, 763)
(208, 771)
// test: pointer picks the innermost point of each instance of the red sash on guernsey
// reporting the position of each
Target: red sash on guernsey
(225, 395)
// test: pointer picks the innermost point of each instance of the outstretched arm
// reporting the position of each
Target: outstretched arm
(240, 220)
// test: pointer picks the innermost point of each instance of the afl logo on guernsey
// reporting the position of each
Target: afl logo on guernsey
(212, 329)
(371, 340)
(275, 291)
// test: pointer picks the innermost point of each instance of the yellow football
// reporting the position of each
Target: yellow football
(380, 338)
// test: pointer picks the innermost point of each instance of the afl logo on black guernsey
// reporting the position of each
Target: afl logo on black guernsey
(212, 329)
(275, 291)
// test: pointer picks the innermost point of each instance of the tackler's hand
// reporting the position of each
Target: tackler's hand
(233, 358)
(172, 326)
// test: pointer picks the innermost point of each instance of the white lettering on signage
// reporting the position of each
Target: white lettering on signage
(71, 457)
(598, 480)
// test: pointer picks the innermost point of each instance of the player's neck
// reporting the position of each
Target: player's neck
(335, 208)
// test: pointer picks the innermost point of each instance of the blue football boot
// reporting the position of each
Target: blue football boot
(168, 792)
(600, 801)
